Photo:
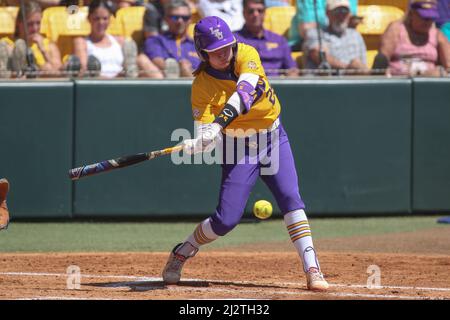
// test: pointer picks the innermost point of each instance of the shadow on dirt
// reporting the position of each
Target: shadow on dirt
(150, 285)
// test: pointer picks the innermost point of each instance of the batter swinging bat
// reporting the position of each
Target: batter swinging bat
(121, 162)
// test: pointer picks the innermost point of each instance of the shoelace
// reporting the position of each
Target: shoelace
(177, 262)
(317, 276)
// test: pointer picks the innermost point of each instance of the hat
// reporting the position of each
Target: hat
(427, 9)
(333, 4)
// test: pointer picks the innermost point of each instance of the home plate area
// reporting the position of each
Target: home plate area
(222, 275)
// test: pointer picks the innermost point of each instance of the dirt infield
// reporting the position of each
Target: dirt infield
(263, 272)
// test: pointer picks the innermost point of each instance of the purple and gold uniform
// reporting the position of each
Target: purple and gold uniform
(211, 90)
(235, 97)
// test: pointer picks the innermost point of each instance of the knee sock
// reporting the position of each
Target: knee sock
(300, 234)
(203, 234)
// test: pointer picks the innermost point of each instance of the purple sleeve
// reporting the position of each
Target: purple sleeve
(153, 48)
(247, 94)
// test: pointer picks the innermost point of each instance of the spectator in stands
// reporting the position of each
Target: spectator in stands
(43, 57)
(272, 48)
(228, 10)
(101, 53)
(173, 52)
(305, 19)
(414, 46)
(443, 22)
(344, 47)
(154, 23)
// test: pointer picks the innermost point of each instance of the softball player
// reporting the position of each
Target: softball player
(231, 91)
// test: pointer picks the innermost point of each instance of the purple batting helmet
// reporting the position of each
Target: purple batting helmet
(211, 34)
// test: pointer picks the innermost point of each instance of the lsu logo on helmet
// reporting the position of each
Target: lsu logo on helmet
(217, 33)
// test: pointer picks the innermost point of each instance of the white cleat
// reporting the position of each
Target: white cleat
(172, 271)
(315, 280)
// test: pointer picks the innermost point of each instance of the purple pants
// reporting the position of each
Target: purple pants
(239, 179)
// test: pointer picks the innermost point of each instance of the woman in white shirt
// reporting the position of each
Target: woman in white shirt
(112, 56)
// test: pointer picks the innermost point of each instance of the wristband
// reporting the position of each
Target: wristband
(226, 116)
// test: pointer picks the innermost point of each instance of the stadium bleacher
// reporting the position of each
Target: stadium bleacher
(61, 24)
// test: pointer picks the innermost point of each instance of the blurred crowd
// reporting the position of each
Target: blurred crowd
(323, 37)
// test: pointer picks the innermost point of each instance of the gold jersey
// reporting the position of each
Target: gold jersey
(211, 90)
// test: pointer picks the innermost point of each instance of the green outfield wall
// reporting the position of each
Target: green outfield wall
(431, 136)
(119, 118)
(362, 146)
(36, 135)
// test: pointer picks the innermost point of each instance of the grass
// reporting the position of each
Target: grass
(158, 236)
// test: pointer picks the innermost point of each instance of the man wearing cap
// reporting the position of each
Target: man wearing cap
(273, 49)
(305, 18)
(413, 45)
(173, 52)
(344, 47)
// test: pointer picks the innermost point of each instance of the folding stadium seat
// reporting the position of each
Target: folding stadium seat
(8, 20)
(131, 21)
(370, 55)
(195, 18)
(61, 25)
(376, 19)
(278, 19)
(298, 58)
(402, 4)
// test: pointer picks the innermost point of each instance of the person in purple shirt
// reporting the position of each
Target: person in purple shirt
(174, 52)
(273, 49)
(443, 22)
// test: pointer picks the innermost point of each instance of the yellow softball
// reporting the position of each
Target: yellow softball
(262, 209)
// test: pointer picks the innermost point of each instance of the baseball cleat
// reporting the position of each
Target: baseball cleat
(4, 213)
(315, 280)
(172, 271)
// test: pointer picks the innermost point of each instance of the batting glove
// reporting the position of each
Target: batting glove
(207, 137)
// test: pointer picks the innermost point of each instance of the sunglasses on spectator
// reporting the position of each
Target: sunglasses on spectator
(340, 10)
(175, 18)
(251, 11)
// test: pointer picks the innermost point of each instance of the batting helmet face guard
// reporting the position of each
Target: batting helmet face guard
(211, 34)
